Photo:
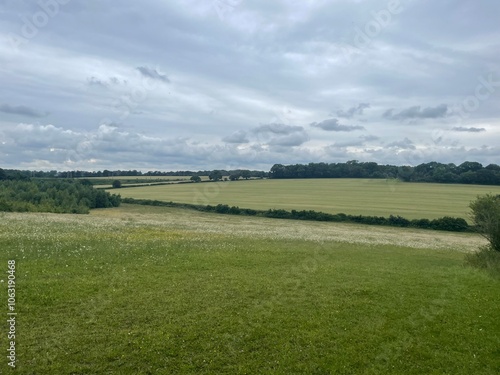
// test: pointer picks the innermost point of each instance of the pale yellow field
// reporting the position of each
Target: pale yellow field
(349, 196)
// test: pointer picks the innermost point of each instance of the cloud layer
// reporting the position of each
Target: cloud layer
(197, 84)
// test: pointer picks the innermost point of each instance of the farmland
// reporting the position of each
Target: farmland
(351, 196)
(160, 290)
(106, 182)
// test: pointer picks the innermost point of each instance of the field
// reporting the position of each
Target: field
(350, 196)
(106, 182)
(154, 290)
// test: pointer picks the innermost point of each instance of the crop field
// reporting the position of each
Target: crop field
(349, 196)
(106, 182)
(157, 290)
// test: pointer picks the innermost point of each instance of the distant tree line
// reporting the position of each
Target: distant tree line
(18, 174)
(52, 195)
(465, 173)
(445, 223)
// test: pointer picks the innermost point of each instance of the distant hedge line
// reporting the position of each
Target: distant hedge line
(446, 223)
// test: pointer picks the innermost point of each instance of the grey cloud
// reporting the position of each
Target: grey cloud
(106, 143)
(152, 73)
(277, 129)
(34, 137)
(369, 138)
(417, 112)
(333, 125)
(358, 110)
(237, 137)
(117, 81)
(405, 144)
(295, 139)
(359, 141)
(351, 143)
(280, 135)
(469, 130)
(93, 81)
(21, 110)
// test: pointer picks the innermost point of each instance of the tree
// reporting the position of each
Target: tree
(469, 166)
(215, 175)
(245, 174)
(277, 171)
(486, 217)
(117, 184)
(195, 178)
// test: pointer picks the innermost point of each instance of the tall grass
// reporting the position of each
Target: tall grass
(485, 259)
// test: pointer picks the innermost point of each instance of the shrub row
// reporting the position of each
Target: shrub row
(445, 223)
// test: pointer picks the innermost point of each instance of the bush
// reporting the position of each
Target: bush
(248, 211)
(421, 223)
(451, 224)
(486, 259)
(117, 184)
(222, 208)
(486, 218)
(398, 221)
(445, 223)
(278, 214)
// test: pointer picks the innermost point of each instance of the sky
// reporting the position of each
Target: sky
(245, 84)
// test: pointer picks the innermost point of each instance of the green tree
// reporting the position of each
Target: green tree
(117, 184)
(195, 178)
(215, 175)
(486, 217)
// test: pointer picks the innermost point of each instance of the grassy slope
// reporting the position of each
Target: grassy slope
(352, 196)
(162, 291)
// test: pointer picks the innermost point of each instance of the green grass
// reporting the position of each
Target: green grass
(136, 291)
(350, 196)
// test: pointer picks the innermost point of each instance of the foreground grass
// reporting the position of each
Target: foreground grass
(149, 293)
(350, 196)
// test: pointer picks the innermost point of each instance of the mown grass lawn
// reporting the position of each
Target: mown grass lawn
(115, 294)
(350, 196)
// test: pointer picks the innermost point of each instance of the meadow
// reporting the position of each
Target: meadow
(157, 290)
(350, 196)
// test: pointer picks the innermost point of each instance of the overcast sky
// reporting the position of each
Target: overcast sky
(203, 84)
